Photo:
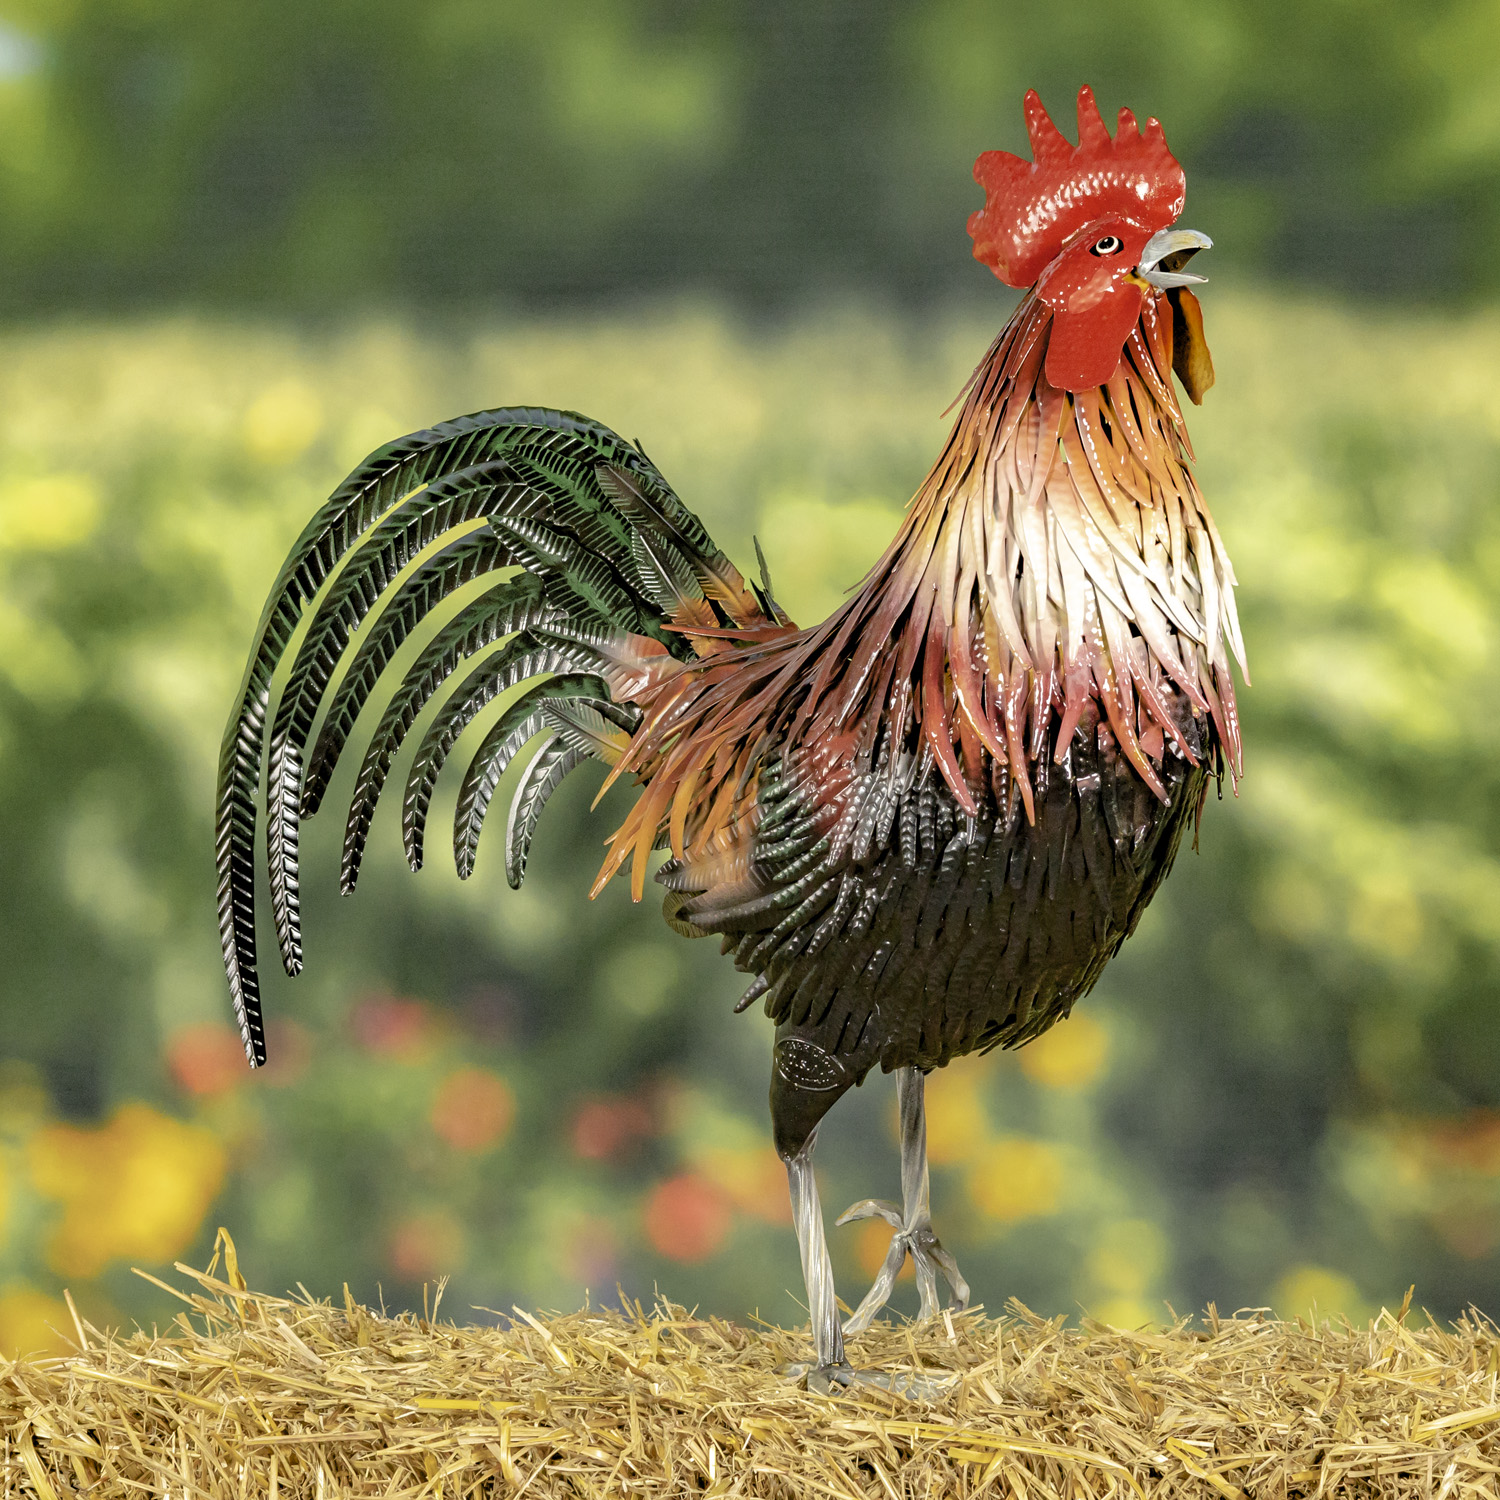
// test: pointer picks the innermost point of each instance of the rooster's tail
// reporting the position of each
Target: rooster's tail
(592, 571)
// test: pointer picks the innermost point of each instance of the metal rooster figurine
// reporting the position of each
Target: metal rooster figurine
(924, 825)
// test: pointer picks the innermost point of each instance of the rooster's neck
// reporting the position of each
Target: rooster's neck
(1059, 561)
(1056, 572)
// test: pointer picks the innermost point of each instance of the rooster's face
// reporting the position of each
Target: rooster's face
(1089, 227)
(1096, 287)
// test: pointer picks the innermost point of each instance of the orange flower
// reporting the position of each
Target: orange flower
(1470, 1143)
(687, 1218)
(472, 1109)
(1471, 1230)
(206, 1059)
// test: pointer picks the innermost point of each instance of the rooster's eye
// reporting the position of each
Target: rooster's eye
(1111, 244)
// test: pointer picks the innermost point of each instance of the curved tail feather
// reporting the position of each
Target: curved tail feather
(602, 577)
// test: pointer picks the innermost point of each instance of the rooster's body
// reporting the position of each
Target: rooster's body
(924, 825)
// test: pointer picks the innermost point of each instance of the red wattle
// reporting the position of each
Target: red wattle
(1086, 344)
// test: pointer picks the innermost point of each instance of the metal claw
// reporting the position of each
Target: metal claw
(912, 1222)
(872, 1208)
(929, 1258)
(838, 1380)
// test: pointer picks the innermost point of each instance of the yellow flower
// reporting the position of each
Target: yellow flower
(1014, 1179)
(31, 1322)
(753, 1178)
(1070, 1056)
(1307, 1290)
(1123, 1312)
(1127, 1258)
(956, 1124)
(47, 513)
(137, 1187)
(282, 422)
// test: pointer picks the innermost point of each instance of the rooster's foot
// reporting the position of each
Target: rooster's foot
(928, 1257)
(834, 1380)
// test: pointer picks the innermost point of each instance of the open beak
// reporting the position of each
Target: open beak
(1167, 252)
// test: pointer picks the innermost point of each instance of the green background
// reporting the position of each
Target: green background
(242, 245)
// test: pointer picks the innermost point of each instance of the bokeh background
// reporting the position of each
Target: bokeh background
(241, 245)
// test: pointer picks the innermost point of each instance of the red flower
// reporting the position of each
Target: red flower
(687, 1218)
(391, 1026)
(604, 1126)
(207, 1059)
(472, 1109)
(425, 1245)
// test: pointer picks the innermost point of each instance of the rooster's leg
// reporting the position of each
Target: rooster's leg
(817, 1269)
(912, 1221)
(807, 1080)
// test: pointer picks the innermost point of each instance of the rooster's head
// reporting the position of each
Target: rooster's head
(1090, 228)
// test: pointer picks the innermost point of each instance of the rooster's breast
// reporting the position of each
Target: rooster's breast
(910, 933)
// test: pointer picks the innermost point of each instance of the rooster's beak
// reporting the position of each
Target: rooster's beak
(1167, 252)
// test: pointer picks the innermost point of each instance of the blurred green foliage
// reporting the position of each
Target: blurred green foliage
(1283, 1089)
(473, 152)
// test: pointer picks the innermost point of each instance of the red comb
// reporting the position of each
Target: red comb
(1032, 207)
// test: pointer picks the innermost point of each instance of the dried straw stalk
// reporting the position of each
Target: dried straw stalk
(254, 1395)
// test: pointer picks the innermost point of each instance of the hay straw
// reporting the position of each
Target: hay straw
(253, 1395)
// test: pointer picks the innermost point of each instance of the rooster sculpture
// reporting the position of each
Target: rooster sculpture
(923, 826)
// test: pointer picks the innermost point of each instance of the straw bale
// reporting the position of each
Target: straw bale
(253, 1395)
